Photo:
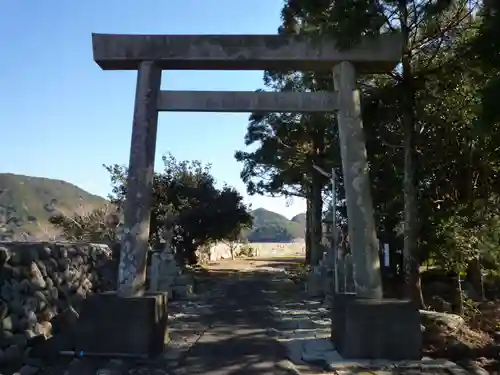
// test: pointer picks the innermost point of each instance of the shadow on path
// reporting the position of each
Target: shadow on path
(237, 341)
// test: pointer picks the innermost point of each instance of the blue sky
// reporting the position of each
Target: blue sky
(62, 117)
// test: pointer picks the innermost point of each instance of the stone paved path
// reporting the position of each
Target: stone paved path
(254, 322)
(257, 323)
(237, 340)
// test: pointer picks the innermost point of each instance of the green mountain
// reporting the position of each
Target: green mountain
(269, 226)
(27, 202)
(300, 219)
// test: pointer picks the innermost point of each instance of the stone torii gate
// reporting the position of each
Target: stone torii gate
(376, 328)
(150, 54)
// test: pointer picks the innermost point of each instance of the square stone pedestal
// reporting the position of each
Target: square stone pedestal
(381, 329)
(340, 301)
(133, 327)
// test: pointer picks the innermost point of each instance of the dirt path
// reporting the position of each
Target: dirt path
(237, 340)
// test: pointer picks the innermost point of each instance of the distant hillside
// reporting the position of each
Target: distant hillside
(300, 219)
(269, 226)
(28, 202)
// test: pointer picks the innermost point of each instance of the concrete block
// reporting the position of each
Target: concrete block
(133, 327)
(339, 305)
(381, 329)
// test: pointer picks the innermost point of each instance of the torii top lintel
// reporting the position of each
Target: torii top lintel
(243, 52)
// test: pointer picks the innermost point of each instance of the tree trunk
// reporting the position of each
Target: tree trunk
(474, 272)
(410, 248)
(316, 219)
(308, 230)
(458, 303)
(475, 276)
(232, 247)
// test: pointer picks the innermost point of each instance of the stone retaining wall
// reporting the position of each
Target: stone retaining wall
(40, 280)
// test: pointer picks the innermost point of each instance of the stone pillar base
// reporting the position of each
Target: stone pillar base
(380, 329)
(134, 327)
(340, 301)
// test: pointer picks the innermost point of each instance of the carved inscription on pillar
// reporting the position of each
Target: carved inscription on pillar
(137, 211)
(361, 223)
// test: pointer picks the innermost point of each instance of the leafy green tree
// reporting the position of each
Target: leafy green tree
(185, 193)
(485, 50)
(289, 145)
(429, 30)
(460, 201)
